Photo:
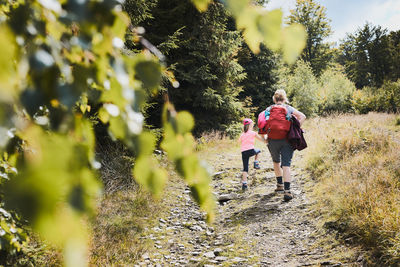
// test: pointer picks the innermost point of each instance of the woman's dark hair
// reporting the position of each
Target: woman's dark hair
(246, 127)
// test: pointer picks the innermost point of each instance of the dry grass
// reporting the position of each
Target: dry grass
(116, 165)
(119, 226)
(213, 140)
(355, 162)
(37, 252)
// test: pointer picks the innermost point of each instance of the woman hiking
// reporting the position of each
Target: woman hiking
(277, 125)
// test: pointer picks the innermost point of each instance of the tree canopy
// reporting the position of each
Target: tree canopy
(370, 56)
(313, 17)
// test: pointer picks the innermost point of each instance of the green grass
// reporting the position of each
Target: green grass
(355, 161)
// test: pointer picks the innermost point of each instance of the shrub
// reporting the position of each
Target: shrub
(335, 92)
(234, 130)
(383, 99)
(388, 97)
(363, 101)
(302, 89)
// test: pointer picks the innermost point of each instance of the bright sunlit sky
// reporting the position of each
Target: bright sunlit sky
(349, 15)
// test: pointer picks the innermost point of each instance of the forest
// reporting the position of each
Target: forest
(102, 97)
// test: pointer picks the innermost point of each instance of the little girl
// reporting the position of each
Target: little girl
(247, 147)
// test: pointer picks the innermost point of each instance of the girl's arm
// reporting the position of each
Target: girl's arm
(260, 138)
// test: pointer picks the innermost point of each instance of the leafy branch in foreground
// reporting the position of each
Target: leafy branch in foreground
(262, 26)
(62, 70)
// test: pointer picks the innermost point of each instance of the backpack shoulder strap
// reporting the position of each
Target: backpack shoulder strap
(288, 113)
(267, 112)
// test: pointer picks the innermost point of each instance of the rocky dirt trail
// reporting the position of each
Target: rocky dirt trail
(254, 228)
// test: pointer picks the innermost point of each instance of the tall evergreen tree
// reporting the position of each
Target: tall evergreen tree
(367, 56)
(313, 16)
(139, 10)
(394, 48)
(202, 53)
(259, 84)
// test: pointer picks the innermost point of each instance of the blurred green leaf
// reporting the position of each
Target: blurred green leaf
(270, 25)
(201, 5)
(120, 24)
(261, 26)
(246, 20)
(49, 165)
(117, 127)
(104, 116)
(83, 104)
(7, 57)
(145, 143)
(114, 94)
(149, 175)
(84, 135)
(237, 6)
(54, 175)
(188, 167)
(185, 122)
(179, 143)
(294, 40)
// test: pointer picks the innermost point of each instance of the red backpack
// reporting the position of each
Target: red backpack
(274, 121)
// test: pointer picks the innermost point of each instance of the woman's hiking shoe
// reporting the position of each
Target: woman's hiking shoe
(256, 165)
(244, 187)
(287, 196)
(279, 188)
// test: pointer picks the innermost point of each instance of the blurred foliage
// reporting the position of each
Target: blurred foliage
(64, 69)
(259, 25)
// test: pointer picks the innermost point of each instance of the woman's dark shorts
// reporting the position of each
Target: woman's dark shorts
(246, 155)
(281, 149)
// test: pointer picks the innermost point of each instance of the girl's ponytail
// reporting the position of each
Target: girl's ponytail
(246, 123)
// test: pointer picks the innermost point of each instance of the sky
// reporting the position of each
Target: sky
(348, 15)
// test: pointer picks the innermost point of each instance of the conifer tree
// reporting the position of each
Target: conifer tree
(139, 10)
(370, 56)
(261, 77)
(202, 53)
